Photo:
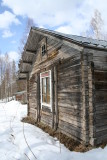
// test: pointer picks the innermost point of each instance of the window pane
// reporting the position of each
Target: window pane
(48, 89)
(44, 85)
(44, 90)
(48, 99)
(44, 98)
(42, 48)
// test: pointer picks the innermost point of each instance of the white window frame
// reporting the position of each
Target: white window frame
(43, 103)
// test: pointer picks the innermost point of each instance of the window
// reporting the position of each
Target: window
(45, 82)
(43, 49)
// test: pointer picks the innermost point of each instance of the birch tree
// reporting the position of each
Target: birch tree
(95, 29)
(8, 85)
(97, 24)
(23, 40)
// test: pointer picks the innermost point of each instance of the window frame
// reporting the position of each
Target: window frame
(43, 49)
(41, 91)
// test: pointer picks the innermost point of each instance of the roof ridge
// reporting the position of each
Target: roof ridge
(79, 39)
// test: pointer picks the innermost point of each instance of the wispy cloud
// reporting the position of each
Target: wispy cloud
(76, 14)
(7, 34)
(13, 55)
(13, 42)
(6, 20)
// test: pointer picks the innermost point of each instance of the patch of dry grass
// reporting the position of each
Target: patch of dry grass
(69, 142)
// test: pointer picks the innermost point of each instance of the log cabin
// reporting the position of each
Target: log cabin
(67, 83)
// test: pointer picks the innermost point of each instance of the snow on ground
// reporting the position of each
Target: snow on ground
(43, 146)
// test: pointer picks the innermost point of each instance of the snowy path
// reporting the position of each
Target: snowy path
(14, 147)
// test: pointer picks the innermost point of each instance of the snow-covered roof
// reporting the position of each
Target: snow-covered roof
(78, 39)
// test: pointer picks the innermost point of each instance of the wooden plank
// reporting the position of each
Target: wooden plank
(100, 66)
(100, 58)
(71, 111)
(52, 88)
(68, 66)
(100, 85)
(73, 105)
(100, 76)
(101, 97)
(56, 97)
(46, 113)
(101, 128)
(102, 139)
(71, 117)
(38, 98)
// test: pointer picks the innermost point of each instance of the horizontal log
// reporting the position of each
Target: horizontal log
(69, 76)
(75, 70)
(73, 67)
(73, 121)
(100, 58)
(46, 119)
(69, 89)
(71, 117)
(100, 122)
(69, 109)
(101, 66)
(70, 103)
(48, 123)
(69, 63)
(101, 133)
(69, 79)
(71, 113)
(70, 48)
(100, 85)
(77, 136)
(101, 116)
(74, 105)
(77, 132)
(46, 113)
(102, 106)
(102, 139)
(101, 111)
(100, 76)
(101, 96)
(101, 128)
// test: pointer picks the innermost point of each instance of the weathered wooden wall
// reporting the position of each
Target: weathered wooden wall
(97, 80)
(70, 98)
(80, 88)
(33, 97)
(100, 80)
(57, 51)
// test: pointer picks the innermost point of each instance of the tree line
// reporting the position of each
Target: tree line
(8, 85)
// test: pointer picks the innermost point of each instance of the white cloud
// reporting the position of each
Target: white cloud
(66, 15)
(6, 20)
(13, 55)
(13, 42)
(7, 33)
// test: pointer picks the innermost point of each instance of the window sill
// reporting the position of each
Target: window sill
(47, 106)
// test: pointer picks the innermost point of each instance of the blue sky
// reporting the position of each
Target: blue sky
(66, 16)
